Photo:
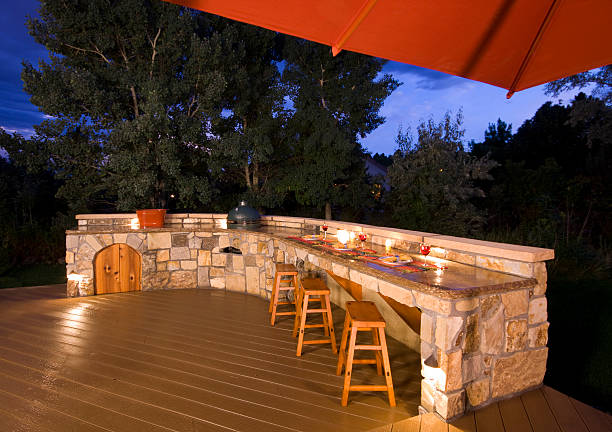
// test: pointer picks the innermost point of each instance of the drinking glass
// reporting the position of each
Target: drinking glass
(425, 249)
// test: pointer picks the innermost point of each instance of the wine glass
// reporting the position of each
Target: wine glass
(362, 237)
(425, 249)
(324, 228)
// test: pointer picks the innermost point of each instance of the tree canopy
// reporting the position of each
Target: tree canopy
(139, 90)
(433, 179)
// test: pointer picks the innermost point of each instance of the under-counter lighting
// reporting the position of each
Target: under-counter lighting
(223, 223)
(135, 223)
(388, 245)
(75, 277)
(79, 279)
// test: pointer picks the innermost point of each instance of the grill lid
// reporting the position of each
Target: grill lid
(243, 214)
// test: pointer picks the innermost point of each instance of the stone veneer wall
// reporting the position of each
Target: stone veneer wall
(474, 350)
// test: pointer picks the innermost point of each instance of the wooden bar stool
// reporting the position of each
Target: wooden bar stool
(364, 316)
(280, 284)
(316, 290)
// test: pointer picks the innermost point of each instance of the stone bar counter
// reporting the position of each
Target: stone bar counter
(483, 327)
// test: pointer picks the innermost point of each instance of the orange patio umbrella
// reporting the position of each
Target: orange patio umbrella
(513, 44)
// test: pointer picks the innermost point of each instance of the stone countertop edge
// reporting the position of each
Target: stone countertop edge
(423, 287)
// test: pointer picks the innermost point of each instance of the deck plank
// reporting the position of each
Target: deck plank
(431, 423)
(412, 424)
(172, 360)
(595, 420)
(514, 416)
(564, 411)
(467, 423)
(208, 360)
(539, 412)
(488, 419)
(36, 416)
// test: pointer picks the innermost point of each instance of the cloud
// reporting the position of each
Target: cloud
(26, 132)
(429, 79)
(17, 114)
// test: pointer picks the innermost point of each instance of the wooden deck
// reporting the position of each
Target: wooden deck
(200, 360)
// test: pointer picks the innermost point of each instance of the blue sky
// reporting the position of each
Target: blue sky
(424, 93)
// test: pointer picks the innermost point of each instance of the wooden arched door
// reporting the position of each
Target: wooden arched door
(117, 269)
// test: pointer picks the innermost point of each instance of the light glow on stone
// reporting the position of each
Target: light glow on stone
(135, 223)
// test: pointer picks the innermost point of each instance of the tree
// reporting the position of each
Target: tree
(495, 145)
(600, 79)
(553, 184)
(133, 87)
(335, 101)
(433, 179)
(250, 147)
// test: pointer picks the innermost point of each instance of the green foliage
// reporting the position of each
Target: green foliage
(552, 188)
(33, 275)
(31, 222)
(133, 86)
(251, 144)
(335, 101)
(383, 159)
(433, 180)
(600, 79)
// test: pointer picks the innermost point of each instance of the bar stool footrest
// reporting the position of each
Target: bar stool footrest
(368, 388)
(316, 341)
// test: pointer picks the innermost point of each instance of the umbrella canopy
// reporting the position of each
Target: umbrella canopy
(513, 44)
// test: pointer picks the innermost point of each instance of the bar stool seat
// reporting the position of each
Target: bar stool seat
(281, 284)
(364, 316)
(316, 290)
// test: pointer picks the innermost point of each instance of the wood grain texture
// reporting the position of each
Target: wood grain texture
(595, 420)
(542, 419)
(208, 360)
(467, 423)
(488, 419)
(117, 269)
(514, 416)
(564, 411)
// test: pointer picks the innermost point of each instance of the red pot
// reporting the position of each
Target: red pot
(151, 218)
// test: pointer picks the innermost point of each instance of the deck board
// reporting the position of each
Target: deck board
(595, 420)
(467, 423)
(177, 360)
(514, 416)
(539, 412)
(207, 360)
(488, 419)
(564, 411)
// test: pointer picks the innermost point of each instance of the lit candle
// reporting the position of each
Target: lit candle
(343, 236)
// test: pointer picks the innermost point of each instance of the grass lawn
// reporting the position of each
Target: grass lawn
(580, 340)
(33, 275)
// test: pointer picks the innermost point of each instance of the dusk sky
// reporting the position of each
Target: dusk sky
(424, 93)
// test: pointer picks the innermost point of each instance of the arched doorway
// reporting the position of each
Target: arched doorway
(117, 269)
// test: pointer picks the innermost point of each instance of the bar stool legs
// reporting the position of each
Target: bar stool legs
(315, 290)
(363, 316)
(282, 270)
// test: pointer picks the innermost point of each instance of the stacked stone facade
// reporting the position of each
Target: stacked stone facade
(477, 345)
